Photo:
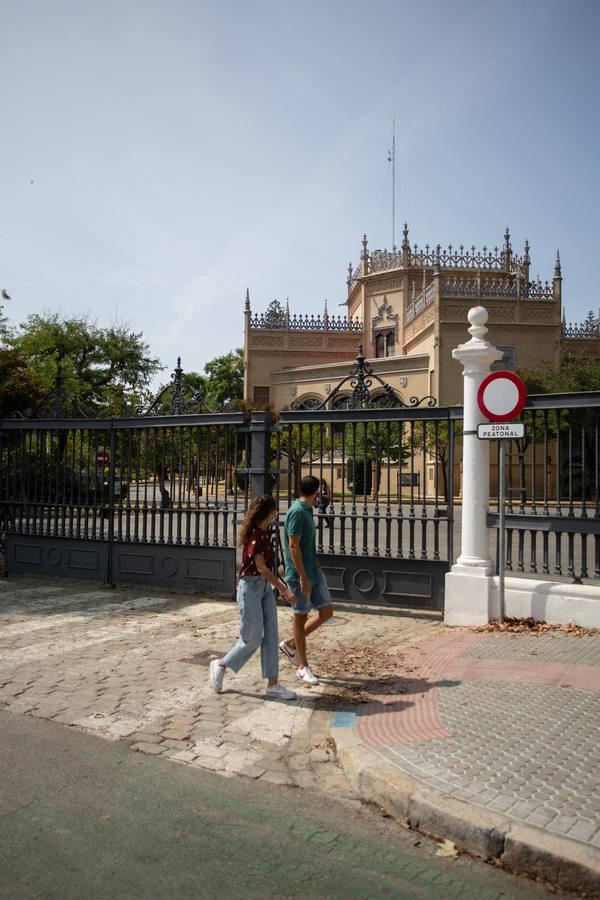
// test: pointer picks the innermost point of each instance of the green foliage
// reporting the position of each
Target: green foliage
(576, 373)
(108, 370)
(224, 382)
(18, 390)
(274, 315)
(4, 297)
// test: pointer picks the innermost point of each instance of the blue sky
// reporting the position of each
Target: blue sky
(181, 151)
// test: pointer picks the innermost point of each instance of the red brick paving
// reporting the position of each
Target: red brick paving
(412, 714)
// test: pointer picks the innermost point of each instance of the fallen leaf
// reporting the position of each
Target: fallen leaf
(447, 848)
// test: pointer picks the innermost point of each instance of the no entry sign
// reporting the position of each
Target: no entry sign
(103, 457)
(501, 396)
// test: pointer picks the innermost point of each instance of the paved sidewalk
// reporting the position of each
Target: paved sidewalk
(493, 740)
(131, 664)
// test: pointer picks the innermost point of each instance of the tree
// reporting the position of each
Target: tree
(576, 373)
(18, 389)
(224, 382)
(4, 297)
(275, 315)
(573, 430)
(107, 370)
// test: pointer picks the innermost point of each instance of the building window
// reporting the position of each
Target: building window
(385, 344)
(261, 394)
(508, 361)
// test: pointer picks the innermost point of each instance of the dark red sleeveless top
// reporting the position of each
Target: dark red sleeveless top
(258, 544)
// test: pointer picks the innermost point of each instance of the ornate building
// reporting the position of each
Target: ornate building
(407, 307)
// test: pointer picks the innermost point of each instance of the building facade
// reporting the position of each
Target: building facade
(406, 308)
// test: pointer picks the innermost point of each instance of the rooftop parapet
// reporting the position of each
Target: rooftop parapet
(500, 259)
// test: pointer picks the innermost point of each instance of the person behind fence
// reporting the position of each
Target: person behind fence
(256, 600)
(304, 576)
(324, 500)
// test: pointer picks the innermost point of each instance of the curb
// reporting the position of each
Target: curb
(479, 831)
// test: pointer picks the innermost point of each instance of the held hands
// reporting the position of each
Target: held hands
(305, 587)
(287, 594)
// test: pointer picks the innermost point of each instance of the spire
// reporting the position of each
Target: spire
(526, 257)
(325, 308)
(557, 280)
(506, 250)
(405, 246)
(287, 306)
(364, 256)
(557, 268)
(247, 307)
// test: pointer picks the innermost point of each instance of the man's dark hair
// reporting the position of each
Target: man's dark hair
(309, 486)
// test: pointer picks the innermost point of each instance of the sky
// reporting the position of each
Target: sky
(158, 157)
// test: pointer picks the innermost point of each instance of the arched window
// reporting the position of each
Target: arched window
(310, 402)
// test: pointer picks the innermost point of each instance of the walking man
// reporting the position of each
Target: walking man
(304, 576)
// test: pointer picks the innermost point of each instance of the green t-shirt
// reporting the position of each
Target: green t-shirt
(299, 521)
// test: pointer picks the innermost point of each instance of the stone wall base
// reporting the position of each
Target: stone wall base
(473, 599)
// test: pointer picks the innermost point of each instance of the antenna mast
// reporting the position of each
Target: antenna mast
(392, 159)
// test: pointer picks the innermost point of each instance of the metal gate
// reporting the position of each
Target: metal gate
(146, 500)
(158, 500)
(387, 533)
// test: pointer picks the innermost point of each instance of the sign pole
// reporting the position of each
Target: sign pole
(501, 542)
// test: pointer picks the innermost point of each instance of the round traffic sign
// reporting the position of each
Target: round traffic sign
(501, 396)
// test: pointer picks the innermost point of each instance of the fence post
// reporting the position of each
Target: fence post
(261, 481)
(468, 598)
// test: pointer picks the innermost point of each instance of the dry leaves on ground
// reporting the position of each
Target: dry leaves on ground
(530, 626)
(447, 849)
(359, 673)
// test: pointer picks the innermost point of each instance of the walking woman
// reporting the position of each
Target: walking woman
(256, 600)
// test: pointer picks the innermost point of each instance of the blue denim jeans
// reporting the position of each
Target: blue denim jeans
(258, 627)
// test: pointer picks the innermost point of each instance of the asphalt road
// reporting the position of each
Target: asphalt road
(87, 818)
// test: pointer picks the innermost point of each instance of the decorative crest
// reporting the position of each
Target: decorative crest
(184, 398)
(361, 379)
(57, 403)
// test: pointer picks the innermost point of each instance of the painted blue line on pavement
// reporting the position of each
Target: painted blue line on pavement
(344, 719)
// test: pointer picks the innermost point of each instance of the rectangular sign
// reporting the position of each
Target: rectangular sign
(494, 431)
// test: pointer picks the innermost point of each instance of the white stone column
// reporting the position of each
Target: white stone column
(469, 583)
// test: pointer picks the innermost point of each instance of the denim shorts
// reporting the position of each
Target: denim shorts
(319, 595)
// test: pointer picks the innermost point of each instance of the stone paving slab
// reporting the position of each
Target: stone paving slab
(549, 647)
(496, 725)
(131, 664)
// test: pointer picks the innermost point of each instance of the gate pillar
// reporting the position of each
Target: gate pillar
(469, 583)
(261, 424)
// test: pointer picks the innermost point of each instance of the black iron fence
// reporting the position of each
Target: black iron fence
(159, 499)
(553, 489)
(71, 491)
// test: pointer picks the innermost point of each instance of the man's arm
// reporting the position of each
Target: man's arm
(296, 554)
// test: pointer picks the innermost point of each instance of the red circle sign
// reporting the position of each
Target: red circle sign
(501, 396)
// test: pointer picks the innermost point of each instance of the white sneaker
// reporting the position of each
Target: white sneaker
(307, 676)
(279, 692)
(217, 674)
(289, 652)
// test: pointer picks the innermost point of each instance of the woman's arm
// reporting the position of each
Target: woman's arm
(263, 569)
